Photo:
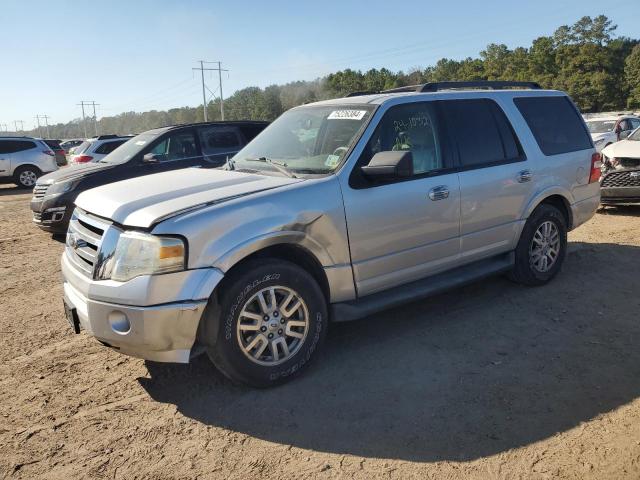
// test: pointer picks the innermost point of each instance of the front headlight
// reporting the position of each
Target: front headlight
(139, 253)
(61, 187)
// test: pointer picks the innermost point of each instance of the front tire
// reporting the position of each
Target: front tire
(542, 247)
(267, 323)
(26, 177)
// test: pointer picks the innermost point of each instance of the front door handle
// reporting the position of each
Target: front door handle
(524, 176)
(439, 193)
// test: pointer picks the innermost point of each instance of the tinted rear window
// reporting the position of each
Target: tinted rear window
(14, 146)
(483, 133)
(555, 124)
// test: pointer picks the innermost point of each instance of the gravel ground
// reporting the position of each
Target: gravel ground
(493, 380)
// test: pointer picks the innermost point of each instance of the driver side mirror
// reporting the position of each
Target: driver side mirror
(150, 158)
(389, 165)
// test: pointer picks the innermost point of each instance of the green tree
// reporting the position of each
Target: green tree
(632, 77)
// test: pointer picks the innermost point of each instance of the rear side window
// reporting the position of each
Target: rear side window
(555, 124)
(109, 147)
(251, 131)
(82, 147)
(483, 133)
(13, 146)
(219, 140)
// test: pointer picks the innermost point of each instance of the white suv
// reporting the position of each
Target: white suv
(96, 148)
(606, 130)
(24, 159)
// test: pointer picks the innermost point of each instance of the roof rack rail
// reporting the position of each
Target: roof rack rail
(359, 94)
(488, 84)
(106, 137)
(437, 86)
(483, 84)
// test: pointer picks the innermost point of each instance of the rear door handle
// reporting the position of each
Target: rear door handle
(439, 193)
(524, 176)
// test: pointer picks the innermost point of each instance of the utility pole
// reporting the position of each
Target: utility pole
(204, 97)
(6, 128)
(37, 117)
(46, 122)
(87, 103)
(16, 122)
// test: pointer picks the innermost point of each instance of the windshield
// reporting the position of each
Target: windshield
(312, 139)
(129, 149)
(601, 126)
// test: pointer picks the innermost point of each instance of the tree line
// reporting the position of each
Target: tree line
(601, 72)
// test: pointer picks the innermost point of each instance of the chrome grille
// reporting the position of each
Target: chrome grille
(621, 179)
(40, 190)
(83, 240)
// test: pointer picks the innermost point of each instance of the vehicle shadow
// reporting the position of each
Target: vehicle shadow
(623, 210)
(6, 190)
(474, 372)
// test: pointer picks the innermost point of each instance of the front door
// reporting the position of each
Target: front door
(400, 231)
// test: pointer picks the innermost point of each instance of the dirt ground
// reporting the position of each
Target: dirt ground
(493, 380)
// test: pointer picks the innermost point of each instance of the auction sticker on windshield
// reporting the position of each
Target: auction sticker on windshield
(347, 115)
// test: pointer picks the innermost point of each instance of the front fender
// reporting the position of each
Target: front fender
(260, 242)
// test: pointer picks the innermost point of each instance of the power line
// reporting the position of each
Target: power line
(46, 122)
(16, 122)
(219, 69)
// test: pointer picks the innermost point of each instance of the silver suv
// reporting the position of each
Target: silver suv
(24, 159)
(337, 210)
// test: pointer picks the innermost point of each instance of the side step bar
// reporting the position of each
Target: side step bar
(427, 287)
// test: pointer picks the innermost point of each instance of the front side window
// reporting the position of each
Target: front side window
(309, 139)
(178, 146)
(412, 127)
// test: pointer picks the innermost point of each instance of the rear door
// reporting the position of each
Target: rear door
(495, 176)
(219, 142)
(404, 230)
(6, 147)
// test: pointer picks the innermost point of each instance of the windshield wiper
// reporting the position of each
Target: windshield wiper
(281, 167)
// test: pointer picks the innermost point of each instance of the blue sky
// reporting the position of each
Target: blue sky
(138, 54)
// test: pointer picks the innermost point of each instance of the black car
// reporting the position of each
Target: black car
(207, 145)
(61, 154)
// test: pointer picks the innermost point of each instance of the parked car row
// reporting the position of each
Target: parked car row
(336, 210)
(609, 129)
(170, 148)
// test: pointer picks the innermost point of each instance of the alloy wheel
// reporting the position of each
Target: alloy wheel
(545, 247)
(272, 325)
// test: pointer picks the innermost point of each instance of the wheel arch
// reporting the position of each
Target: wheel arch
(22, 166)
(555, 197)
(290, 252)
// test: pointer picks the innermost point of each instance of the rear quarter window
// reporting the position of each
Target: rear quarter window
(14, 146)
(555, 124)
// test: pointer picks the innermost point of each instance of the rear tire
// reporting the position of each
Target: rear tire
(255, 332)
(26, 176)
(542, 247)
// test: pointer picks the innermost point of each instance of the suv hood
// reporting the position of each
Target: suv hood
(74, 171)
(623, 149)
(143, 201)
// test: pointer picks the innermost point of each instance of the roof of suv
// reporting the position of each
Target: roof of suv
(445, 90)
(160, 130)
